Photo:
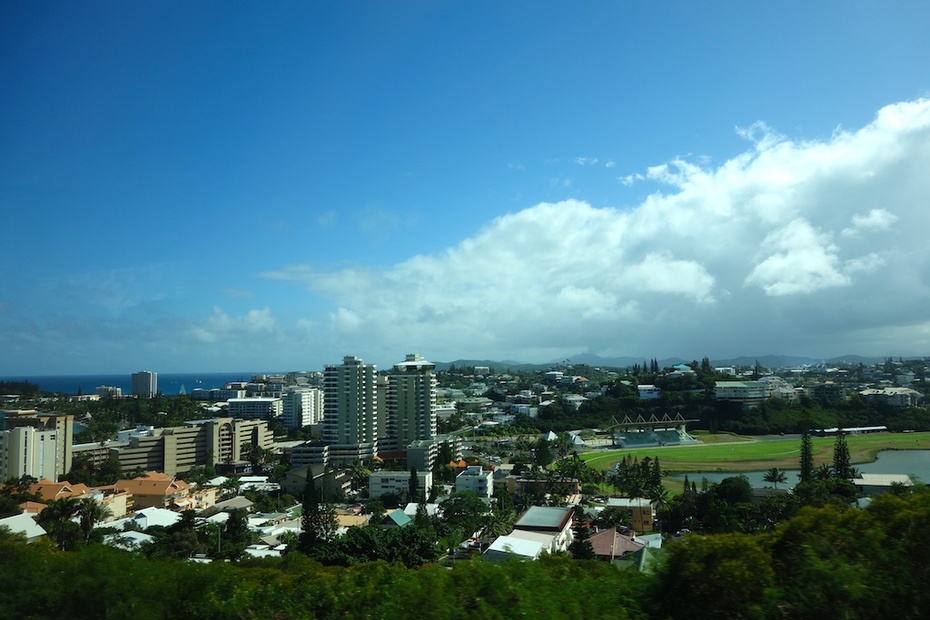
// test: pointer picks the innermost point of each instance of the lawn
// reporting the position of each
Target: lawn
(738, 454)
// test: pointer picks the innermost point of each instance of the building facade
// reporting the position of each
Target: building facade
(144, 384)
(302, 406)
(411, 403)
(350, 411)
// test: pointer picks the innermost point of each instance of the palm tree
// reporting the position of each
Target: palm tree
(775, 476)
(57, 519)
(91, 512)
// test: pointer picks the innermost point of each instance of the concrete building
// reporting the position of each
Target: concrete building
(144, 384)
(34, 445)
(302, 406)
(411, 403)
(176, 449)
(266, 407)
(383, 482)
(477, 480)
(642, 511)
(29, 451)
(350, 411)
(747, 393)
(553, 521)
(873, 484)
(423, 454)
(106, 391)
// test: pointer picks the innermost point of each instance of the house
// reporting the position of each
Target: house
(395, 518)
(294, 480)
(506, 547)
(642, 511)
(610, 544)
(397, 482)
(548, 520)
(24, 524)
(157, 490)
(146, 518)
(873, 484)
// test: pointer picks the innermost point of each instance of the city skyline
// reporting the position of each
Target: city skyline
(212, 187)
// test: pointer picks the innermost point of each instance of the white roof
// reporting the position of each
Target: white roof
(546, 539)
(883, 480)
(517, 546)
(629, 502)
(23, 524)
(411, 509)
(147, 517)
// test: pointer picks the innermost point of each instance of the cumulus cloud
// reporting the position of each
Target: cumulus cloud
(773, 250)
(876, 220)
(221, 325)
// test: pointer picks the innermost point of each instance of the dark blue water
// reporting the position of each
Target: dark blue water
(169, 384)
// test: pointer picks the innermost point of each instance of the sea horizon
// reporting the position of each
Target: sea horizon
(169, 384)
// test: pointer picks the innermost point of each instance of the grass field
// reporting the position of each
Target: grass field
(732, 453)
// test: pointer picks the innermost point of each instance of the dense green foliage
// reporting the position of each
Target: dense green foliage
(98, 582)
(828, 562)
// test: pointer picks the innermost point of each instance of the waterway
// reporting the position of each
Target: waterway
(915, 463)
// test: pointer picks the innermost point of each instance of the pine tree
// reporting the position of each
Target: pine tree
(807, 458)
(841, 466)
(581, 547)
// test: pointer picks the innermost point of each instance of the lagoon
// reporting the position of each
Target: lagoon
(915, 463)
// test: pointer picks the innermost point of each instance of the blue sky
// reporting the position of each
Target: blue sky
(215, 186)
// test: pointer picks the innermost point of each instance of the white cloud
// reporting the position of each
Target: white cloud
(220, 325)
(586, 161)
(773, 250)
(798, 259)
(877, 220)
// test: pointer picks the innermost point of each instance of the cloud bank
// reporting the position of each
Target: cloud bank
(812, 247)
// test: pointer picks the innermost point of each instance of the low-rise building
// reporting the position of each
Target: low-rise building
(747, 393)
(397, 482)
(554, 521)
(477, 480)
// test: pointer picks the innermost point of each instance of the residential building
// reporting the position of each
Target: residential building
(477, 480)
(266, 407)
(350, 411)
(873, 484)
(176, 449)
(144, 384)
(554, 521)
(157, 490)
(398, 482)
(302, 406)
(424, 454)
(897, 397)
(649, 392)
(411, 403)
(106, 391)
(747, 393)
(642, 511)
(29, 451)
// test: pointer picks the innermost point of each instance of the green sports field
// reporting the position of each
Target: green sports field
(733, 453)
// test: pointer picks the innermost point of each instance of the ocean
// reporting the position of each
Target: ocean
(169, 384)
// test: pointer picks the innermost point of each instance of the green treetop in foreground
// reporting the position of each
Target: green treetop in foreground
(829, 562)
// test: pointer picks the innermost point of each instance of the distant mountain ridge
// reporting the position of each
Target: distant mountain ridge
(590, 359)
